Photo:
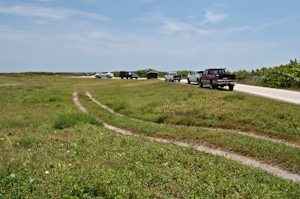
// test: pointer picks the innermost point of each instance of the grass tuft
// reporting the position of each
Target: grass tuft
(67, 120)
(55, 98)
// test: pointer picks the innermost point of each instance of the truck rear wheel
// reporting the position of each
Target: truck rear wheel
(188, 81)
(230, 87)
(211, 86)
(200, 84)
(179, 80)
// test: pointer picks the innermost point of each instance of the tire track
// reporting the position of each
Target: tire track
(212, 129)
(229, 155)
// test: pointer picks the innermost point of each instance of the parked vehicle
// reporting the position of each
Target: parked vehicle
(104, 74)
(172, 76)
(217, 77)
(194, 76)
(128, 74)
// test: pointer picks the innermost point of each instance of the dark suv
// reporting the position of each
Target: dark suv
(128, 74)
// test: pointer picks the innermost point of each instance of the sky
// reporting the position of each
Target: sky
(165, 35)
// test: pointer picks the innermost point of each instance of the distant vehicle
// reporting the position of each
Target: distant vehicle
(104, 74)
(194, 76)
(172, 76)
(217, 77)
(128, 74)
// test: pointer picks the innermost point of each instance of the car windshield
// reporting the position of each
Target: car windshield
(173, 74)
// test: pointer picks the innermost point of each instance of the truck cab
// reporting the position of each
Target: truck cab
(194, 76)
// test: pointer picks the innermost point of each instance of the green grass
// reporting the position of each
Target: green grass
(86, 160)
(282, 155)
(168, 103)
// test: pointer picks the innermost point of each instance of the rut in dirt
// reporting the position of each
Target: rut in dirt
(229, 155)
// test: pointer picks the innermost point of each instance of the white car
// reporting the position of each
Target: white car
(194, 76)
(104, 74)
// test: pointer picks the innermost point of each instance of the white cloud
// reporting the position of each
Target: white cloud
(212, 18)
(262, 26)
(49, 13)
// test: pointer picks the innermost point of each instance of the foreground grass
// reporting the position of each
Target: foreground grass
(50, 149)
(170, 103)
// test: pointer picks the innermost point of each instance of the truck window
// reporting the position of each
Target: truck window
(216, 71)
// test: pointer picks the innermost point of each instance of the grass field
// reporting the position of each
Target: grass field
(188, 105)
(50, 149)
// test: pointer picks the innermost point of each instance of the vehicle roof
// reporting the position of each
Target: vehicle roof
(214, 68)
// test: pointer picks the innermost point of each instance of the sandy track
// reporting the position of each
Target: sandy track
(232, 156)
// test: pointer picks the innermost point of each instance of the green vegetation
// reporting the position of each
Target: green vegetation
(50, 149)
(284, 156)
(182, 104)
(283, 76)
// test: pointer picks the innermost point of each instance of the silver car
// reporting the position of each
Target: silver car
(104, 74)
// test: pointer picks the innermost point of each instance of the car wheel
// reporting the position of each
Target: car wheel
(122, 77)
(130, 77)
(200, 84)
(230, 87)
(97, 76)
(179, 80)
(211, 86)
(127, 77)
(107, 76)
(165, 79)
(136, 78)
(188, 81)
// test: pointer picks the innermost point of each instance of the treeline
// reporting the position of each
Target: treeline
(283, 76)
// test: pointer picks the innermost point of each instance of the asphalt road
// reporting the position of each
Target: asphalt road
(274, 93)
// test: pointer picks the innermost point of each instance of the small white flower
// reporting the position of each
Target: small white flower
(46, 172)
(31, 180)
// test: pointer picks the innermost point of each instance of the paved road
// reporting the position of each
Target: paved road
(279, 94)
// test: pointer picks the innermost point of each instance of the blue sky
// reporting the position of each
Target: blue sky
(114, 35)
